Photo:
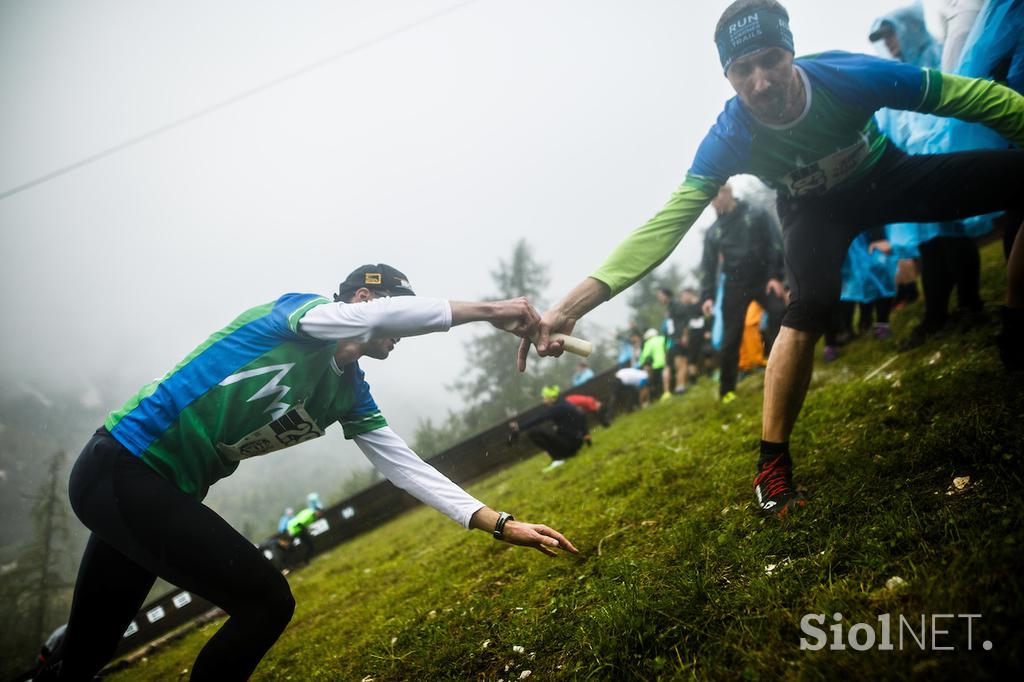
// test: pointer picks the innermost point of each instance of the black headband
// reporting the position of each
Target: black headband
(752, 32)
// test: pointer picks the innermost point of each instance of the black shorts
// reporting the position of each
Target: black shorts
(900, 189)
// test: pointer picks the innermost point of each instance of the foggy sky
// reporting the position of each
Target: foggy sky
(567, 122)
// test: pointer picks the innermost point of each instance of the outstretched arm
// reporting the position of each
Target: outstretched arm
(412, 316)
(390, 455)
(515, 315)
(977, 100)
(647, 246)
(641, 252)
(536, 535)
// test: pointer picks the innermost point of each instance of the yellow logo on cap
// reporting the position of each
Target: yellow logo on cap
(372, 278)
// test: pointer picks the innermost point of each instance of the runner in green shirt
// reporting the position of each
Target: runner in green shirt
(806, 127)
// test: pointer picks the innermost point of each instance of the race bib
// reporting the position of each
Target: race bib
(294, 426)
(824, 174)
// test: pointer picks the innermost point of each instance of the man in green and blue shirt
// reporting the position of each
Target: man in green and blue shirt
(278, 375)
(806, 127)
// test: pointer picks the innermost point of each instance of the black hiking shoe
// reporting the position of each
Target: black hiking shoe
(773, 486)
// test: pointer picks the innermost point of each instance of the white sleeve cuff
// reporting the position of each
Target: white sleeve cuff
(392, 457)
(378, 319)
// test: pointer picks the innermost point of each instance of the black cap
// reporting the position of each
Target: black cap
(884, 28)
(380, 278)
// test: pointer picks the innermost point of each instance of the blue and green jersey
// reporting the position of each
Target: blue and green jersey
(256, 386)
(832, 144)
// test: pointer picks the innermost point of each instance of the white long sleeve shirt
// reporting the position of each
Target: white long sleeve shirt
(387, 452)
(378, 319)
(392, 457)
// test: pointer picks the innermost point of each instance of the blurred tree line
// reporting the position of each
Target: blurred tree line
(35, 588)
(493, 389)
(41, 541)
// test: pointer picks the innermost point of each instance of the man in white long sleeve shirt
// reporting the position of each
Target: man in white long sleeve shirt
(277, 375)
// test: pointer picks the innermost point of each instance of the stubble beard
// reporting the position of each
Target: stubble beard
(781, 107)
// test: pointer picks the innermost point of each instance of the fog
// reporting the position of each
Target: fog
(429, 135)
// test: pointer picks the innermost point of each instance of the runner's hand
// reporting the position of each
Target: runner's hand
(538, 536)
(774, 286)
(709, 305)
(553, 321)
(515, 316)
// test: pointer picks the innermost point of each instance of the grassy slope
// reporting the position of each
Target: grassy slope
(672, 580)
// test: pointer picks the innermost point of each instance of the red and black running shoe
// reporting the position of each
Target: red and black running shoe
(773, 486)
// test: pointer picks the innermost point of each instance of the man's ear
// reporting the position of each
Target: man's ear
(362, 294)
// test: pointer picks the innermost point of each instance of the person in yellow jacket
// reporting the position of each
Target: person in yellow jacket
(752, 344)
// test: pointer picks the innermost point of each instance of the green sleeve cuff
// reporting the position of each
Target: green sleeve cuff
(932, 90)
(365, 424)
(646, 247)
(293, 319)
(979, 101)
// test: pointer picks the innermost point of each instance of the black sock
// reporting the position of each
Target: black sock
(770, 451)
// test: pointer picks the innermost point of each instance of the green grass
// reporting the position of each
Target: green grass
(673, 579)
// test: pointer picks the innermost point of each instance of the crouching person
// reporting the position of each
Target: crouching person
(279, 374)
(563, 437)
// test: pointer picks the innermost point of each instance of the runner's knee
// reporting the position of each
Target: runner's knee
(810, 314)
(278, 602)
(267, 601)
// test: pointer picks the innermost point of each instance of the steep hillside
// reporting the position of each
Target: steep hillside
(913, 466)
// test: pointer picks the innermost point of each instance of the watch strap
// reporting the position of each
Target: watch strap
(499, 526)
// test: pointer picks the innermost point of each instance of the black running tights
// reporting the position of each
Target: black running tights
(142, 527)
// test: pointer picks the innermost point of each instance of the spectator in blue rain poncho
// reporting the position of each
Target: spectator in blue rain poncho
(869, 282)
(949, 255)
(993, 48)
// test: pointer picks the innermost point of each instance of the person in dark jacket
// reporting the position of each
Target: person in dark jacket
(566, 433)
(686, 334)
(747, 243)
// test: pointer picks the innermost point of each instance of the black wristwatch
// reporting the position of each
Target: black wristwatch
(499, 527)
